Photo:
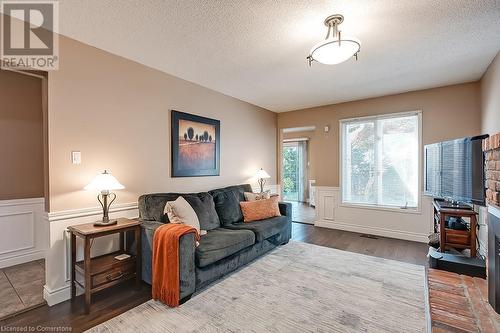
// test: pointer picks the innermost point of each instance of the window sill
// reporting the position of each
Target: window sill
(416, 210)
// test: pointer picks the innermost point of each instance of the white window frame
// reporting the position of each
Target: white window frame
(412, 210)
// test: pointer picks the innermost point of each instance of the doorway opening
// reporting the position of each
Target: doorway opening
(23, 190)
(295, 180)
(294, 171)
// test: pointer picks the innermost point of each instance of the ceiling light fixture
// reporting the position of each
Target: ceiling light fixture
(335, 48)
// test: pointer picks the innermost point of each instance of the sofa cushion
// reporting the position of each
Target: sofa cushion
(220, 243)
(203, 205)
(152, 206)
(238, 190)
(228, 208)
(227, 202)
(263, 229)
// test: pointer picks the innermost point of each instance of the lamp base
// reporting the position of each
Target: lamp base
(105, 223)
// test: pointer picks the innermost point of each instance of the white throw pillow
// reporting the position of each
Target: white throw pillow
(249, 196)
(180, 211)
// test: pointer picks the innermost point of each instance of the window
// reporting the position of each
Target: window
(380, 160)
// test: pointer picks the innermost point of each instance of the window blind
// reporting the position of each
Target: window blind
(380, 160)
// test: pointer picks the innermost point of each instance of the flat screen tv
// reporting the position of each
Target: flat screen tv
(454, 170)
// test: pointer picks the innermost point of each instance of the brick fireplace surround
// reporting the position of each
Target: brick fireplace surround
(491, 147)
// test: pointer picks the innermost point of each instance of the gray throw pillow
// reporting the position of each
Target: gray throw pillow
(227, 205)
(203, 205)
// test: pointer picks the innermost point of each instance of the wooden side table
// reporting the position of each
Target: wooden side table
(461, 239)
(98, 273)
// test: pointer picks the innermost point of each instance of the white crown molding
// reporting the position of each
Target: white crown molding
(82, 212)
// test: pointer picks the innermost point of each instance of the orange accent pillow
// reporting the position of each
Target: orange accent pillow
(260, 209)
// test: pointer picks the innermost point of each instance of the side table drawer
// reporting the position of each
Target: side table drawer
(113, 274)
(457, 237)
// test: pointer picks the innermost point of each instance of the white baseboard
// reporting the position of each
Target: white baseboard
(23, 258)
(56, 296)
(363, 229)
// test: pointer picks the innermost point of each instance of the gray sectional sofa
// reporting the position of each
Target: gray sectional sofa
(229, 243)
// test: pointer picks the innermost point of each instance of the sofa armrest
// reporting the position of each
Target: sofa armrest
(286, 210)
(187, 246)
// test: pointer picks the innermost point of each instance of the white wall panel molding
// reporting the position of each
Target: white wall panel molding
(23, 231)
(413, 226)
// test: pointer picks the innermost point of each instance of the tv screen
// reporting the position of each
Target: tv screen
(454, 170)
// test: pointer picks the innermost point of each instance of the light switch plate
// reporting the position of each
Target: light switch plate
(76, 157)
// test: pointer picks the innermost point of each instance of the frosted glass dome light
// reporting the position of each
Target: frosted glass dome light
(335, 48)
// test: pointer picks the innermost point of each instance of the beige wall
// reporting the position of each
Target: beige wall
(21, 136)
(490, 98)
(447, 113)
(117, 113)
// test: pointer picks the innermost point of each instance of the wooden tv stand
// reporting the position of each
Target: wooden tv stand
(450, 238)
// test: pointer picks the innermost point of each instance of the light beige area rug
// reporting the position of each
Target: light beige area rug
(298, 287)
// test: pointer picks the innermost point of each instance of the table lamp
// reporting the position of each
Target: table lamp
(105, 183)
(262, 175)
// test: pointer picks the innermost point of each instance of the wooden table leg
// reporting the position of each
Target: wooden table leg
(73, 263)
(442, 235)
(139, 257)
(122, 245)
(473, 245)
(86, 260)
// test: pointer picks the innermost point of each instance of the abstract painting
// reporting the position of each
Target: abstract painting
(195, 145)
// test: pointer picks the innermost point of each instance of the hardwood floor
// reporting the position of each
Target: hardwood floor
(119, 299)
(70, 315)
(389, 248)
(303, 213)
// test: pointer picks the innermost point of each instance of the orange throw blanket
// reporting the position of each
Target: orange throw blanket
(165, 279)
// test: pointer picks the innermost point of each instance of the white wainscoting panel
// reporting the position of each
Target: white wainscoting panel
(57, 273)
(414, 226)
(23, 231)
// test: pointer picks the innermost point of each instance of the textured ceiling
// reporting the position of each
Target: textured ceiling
(255, 50)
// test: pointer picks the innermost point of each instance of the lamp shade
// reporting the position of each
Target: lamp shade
(334, 51)
(262, 174)
(104, 182)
